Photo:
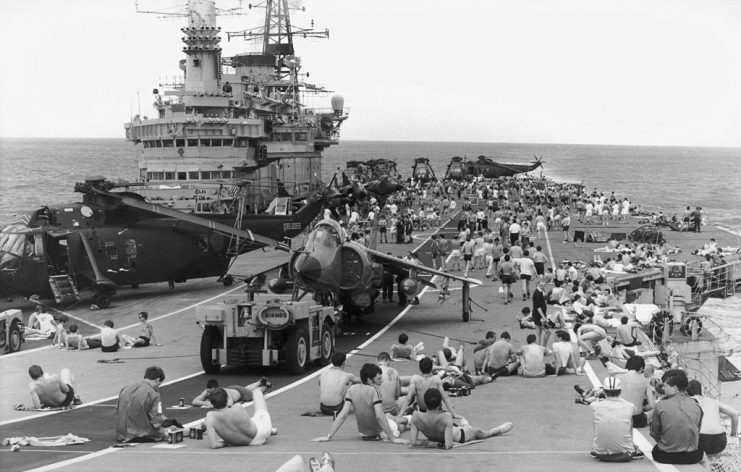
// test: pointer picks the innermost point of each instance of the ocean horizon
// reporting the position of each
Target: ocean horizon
(42, 171)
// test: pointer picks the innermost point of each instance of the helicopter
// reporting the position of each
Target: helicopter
(113, 239)
(340, 272)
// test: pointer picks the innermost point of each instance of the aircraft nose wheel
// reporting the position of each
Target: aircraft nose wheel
(227, 280)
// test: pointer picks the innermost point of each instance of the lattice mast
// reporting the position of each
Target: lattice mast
(277, 39)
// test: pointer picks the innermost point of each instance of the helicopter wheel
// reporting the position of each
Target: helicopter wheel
(227, 280)
(103, 297)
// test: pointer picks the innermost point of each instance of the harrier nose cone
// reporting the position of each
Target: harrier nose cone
(309, 269)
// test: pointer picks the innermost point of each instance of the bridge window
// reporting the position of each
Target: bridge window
(169, 175)
(180, 142)
(167, 143)
(193, 175)
(192, 143)
(182, 176)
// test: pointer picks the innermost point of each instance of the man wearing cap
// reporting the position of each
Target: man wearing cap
(613, 426)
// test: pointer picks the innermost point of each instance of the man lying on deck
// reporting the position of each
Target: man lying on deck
(441, 430)
(233, 426)
(235, 393)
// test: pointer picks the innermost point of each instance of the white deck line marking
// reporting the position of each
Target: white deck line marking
(406, 452)
(49, 346)
(74, 460)
(638, 436)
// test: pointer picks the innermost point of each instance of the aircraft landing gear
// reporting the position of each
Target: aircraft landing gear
(103, 296)
(227, 280)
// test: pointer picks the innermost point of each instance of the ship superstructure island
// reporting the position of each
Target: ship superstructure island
(235, 124)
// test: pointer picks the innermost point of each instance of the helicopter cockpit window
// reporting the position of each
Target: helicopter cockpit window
(13, 242)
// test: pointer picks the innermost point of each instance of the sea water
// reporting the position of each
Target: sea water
(35, 172)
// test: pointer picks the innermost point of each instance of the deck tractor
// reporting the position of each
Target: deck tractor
(11, 331)
(244, 332)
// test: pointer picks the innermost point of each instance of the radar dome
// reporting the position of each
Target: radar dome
(338, 103)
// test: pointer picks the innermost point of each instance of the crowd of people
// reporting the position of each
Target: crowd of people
(573, 313)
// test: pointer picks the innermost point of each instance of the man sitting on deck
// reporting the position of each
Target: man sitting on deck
(613, 431)
(233, 426)
(365, 400)
(675, 423)
(333, 383)
(440, 429)
(533, 359)
(139, 415)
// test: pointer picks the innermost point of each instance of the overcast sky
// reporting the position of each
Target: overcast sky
(663, 72)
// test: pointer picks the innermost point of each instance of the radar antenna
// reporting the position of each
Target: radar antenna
(188, 10)
(277, 36)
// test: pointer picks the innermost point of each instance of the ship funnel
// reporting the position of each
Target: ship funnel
(338, 103)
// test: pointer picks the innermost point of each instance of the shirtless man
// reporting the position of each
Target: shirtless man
(60, 335)
(419, 384)
(74, 340)
(234, 393)
(392, 385)
(145, 337)
(440, 429)
(233, 426)
(333, 383)
(52, 390)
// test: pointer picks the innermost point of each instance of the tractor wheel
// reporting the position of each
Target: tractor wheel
(15, 338)
(210, 339)
(327, 344)
(297, 351)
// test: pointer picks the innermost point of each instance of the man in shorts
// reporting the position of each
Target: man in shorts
(233, 426)
(333, 384)
(235, 393)
(441, 430)
(146, 332)
(52, 390)
(419, 384)
(532, 357)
